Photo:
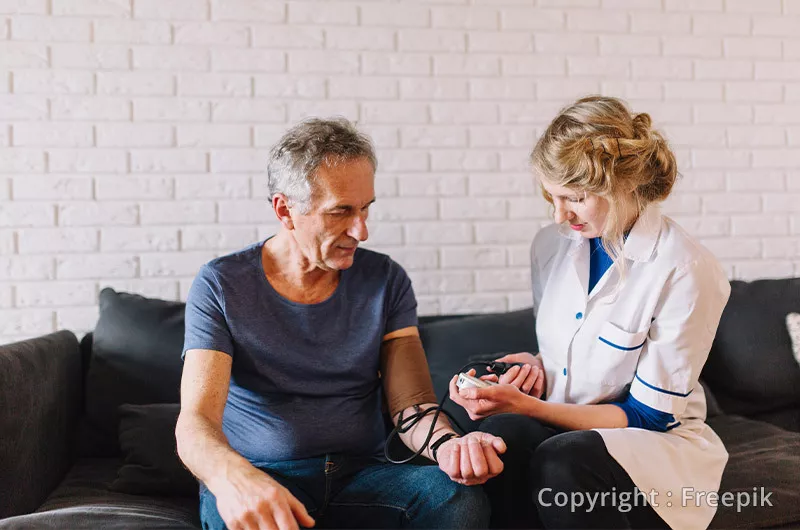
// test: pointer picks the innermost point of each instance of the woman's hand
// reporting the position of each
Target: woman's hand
(529, 378)
(482, 402)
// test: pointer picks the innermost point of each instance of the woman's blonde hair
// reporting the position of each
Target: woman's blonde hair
(597, 145)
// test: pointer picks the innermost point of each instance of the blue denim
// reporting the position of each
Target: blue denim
(352, 492)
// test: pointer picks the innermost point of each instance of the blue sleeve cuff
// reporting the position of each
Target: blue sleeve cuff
(643, 417)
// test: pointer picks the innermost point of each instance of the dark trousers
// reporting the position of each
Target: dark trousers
(550, 478)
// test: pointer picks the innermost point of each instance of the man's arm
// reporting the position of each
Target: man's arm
(246, 496)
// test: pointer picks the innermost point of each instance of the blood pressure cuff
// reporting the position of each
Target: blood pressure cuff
(404, 370)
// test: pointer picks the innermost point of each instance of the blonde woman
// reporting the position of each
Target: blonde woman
(606, 424)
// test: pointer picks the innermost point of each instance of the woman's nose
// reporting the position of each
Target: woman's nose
(562, 214)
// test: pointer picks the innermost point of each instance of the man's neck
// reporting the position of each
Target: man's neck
(292, 274)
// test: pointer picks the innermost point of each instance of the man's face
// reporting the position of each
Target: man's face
(330, 232)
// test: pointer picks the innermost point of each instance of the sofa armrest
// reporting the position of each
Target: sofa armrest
(40, 402)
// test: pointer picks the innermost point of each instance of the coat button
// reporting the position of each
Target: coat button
(579, 315)
(565, 371)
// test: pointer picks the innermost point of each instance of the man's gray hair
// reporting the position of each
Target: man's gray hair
(295, 159)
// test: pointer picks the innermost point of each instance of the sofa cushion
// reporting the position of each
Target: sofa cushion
(451, 343)
(751, 368)
(760, 455)
(84, 501)
(147, 441)
(136, 358)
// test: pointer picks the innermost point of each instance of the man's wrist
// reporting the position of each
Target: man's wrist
(434, 446)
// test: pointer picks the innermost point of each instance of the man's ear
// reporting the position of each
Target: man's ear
(280, 204)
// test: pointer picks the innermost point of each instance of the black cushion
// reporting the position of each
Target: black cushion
(751, 368)
(453, 342)
(136, 358)
(147, 441)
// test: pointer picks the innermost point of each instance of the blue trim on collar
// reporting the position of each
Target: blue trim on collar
(648, 385)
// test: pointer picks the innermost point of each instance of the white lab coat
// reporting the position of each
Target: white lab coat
(651, 335)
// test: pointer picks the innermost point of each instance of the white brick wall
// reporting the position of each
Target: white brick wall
(134, 133)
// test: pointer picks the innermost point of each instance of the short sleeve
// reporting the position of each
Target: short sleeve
(680, 337)
(206, 325)
(401, 310)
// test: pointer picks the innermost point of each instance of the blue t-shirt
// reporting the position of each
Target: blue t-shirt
(304, 380)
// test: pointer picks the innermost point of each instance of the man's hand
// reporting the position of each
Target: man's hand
(529, 377)
(252, 500)
(472, 459)
(488, 401)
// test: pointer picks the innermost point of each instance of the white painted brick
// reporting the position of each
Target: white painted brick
(501, 136)
(405, 16)
(50, 29)
(597, 21)
(497, 42)
(478, 257)
(212, 186)
(728, 203)
(27, 268)
(464, 160)
(288, 37)
(26, 214)
(435, 282)
(503, 89)
(323, 62)
(778, 71)
(216, 135)
(168, 161)
(131, 187)
(491, 184)
(431, 40)
(300, 110)
(6, 299)
(416, 88)
(467, 112)
(53, 135)
(368, 39)
(92, 266)
(446, 233)
(777, 114)
(139, 239)
(426, 136)
(693, 90)
(90, 56)
(681, 203)
(715, 113)
(793, 135)
(539, 113)
(50, 187)
(5, 136)
(238, 160)
(385, 187)
(518, 301)
(573, 43)
(216, 237)
(462, 17)
(268, 135)
(751, 47)
(26, 322)
(692, 46)
(21, 161)
(95, 108)
(94, 8)
(754, 91)
(793, 180)
(198, 84)
(172, 264)
(756, 180)
(132, 32)
(29, 7)
(14, 107)
(386, 233)
(50, 240)
(134, 135)
(135, 83)
(152, 288)
(465, 65)
(728, 69)
(704, 225)
(433, 185)
(761, 225)
(474, 208)
(245, 212)
(779, 25)
(473, 303)
(791, 49)
(23, 55)
(8, 242)
(171, 9)
(362, 88)
(251, 61)
(78, 319)
(503, 280)
(784, 247)
(323, 13)
(171, 58)
(533, 66)
(515, 160)
(417, 259)
(598, 66)
(56, 294)
(720, 158)
(394, 112)
(720, 24)
(53, 82)
(776, 158)
(529, 19)
(569, 3)
(171, 109)
(727, 249)
(697, 136)
(746, 6)
(216, 33)
(667, 68)
(183, 212)
(97, 214)
(248, 110)
(762, 269)
(642, 5)
(756, 136)
(402, 209)
(374, 63)
(628, 45)
(528, 208)
(660, 23)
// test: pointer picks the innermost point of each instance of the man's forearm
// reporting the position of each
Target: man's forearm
(415, 437)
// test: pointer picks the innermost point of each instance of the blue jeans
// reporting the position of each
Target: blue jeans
(355, 492)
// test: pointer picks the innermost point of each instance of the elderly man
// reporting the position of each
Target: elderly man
(293, 343)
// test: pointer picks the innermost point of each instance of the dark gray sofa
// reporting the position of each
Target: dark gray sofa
(62, 446)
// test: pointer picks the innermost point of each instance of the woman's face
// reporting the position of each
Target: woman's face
(584, 212)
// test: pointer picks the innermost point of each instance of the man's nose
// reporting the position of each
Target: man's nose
(358, 228)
